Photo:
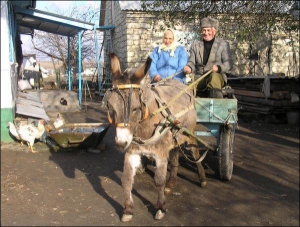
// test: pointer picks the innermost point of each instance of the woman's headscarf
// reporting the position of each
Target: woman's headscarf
(173, 45)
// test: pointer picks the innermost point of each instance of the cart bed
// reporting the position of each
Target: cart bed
(211, 110)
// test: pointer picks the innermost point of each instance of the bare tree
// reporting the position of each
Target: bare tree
(246, 20)
(56, 46)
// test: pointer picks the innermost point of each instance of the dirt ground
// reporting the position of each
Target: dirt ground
(59, 187)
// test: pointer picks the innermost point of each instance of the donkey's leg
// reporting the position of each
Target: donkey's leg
(174, 163)
(160, 182)
(200, 169)
(131, 162)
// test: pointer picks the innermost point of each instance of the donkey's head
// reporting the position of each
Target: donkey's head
(127, 77)
(125, 101)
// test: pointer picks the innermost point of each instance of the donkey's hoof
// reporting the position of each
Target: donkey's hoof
(140, 170)
(160, 215)
(168, 190)
(126, 217)
(170, 184)
(203, 184)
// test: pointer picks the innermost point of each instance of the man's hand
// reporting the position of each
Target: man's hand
(157, 78)
(187, 69)
(215, 68)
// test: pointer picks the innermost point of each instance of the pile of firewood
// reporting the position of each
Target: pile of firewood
(265, 94)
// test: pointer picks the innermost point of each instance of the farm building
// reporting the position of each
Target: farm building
(28, 63)
(21, 17)
(128, 33)
(265, 80)
(133, 38)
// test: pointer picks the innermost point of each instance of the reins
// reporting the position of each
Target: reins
(170, 77)
(163, 125)
(190, 86)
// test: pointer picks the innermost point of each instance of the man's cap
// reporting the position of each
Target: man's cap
(209, 22)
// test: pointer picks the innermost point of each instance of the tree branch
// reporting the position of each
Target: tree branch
(50, 55)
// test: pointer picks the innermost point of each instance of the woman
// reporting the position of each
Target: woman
(168, 59)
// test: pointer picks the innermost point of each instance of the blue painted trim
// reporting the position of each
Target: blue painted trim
(79, 68)
(98, 61)
(69, 66)
(54, 18)
(10, 33)
(53, 32)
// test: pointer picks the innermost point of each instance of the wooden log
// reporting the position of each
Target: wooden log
(268, 102)
(278, 95)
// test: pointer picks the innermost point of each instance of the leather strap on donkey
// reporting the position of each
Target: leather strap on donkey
(180, 93)
(171, 120)
(163, 126)
(167, 123)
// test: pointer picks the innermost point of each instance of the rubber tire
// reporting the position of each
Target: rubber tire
(226, 152)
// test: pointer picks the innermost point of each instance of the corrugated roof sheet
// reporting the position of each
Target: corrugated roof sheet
(49, 22)
(29, 104)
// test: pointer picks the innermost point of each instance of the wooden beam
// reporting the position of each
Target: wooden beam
(249, 93)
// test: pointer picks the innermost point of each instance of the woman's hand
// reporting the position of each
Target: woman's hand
(187, 70)
(157, 78)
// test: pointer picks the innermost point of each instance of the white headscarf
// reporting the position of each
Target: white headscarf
(173, 45)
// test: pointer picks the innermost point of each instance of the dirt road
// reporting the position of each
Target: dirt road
(79, 188)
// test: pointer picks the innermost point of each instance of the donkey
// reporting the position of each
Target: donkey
(139, 132)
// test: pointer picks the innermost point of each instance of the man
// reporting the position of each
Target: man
(36, 75)
(210, 53)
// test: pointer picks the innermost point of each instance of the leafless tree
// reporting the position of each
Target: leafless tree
(56, 46)
(246, 20)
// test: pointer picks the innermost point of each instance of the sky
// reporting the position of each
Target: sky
(47, 6)
(44, 5)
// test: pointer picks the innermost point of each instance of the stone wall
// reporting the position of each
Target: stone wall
(134, 38)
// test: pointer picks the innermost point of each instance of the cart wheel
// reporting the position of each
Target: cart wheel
(226, 152)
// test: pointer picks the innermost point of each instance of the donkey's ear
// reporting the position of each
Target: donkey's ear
(115, 66)
(140, 73)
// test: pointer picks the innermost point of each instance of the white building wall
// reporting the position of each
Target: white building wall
(6, 94)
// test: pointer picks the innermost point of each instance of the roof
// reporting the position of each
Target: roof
(24, 3)
(124, 5)
(130, 5)
(29, 104)
(48, 22)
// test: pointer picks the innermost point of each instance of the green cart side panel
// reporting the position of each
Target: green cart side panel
(216, 110)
